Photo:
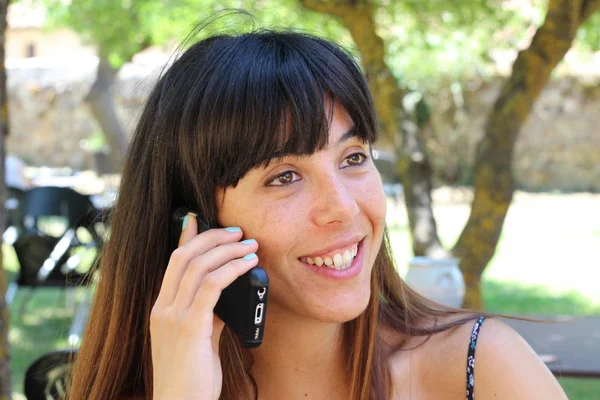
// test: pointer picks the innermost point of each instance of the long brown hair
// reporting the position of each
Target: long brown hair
(226, 105)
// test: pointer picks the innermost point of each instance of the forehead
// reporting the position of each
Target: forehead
(283, 122)
(336, 122)
(340, 119)
(341, 128)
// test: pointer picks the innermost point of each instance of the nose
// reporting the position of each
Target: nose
(334, 202)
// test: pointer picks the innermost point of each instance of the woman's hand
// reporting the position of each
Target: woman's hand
(184, 330)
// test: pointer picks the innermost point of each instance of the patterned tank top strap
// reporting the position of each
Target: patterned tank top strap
(471, 359)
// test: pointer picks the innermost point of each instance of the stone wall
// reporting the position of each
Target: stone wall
(49, 119)
(558, 148)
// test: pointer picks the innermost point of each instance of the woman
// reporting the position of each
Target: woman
(269, 135)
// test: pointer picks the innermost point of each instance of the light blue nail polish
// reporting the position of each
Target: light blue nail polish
(233, 229)
(248, 241)
(185, 222)
(250, 256)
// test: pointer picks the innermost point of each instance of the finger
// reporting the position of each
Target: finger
(189, 229)
(213, 284)
(202, 265)
(182, 256)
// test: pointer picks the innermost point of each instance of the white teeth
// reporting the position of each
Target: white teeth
(339, 261)
(347, 257)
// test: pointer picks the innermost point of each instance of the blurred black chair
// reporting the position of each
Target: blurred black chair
(49, 235)
(48, 377)
(13, 216)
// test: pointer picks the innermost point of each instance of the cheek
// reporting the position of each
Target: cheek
(373, 203)
(382, 207)
(276, 227)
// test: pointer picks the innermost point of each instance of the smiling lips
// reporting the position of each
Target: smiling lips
(339, 260)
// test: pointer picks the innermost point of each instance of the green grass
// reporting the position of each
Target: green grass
(42, 327)
(516, 298)
(545, 264)
(39, 322)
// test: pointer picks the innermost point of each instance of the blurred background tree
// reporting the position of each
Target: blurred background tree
(408, 49)
(121, 29)
(440, 30)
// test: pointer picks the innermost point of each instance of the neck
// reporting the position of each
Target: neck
(300, 358)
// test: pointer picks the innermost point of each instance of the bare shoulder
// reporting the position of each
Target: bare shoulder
(506, 367)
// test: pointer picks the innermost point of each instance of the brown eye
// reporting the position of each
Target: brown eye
(284, 179)
(354, 160)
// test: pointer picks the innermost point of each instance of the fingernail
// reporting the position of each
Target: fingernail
(250, 256)
(233, 229)
(185, 222)
(248, 241)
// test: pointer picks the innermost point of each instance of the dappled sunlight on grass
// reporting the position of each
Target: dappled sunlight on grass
(547, 240)
(518, 298)
(39, 322)
(41, 327)
(581, 389)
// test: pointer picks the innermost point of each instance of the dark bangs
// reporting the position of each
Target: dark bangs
(233, 103)
(266, 95)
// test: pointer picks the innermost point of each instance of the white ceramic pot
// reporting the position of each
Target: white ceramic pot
(439, 280)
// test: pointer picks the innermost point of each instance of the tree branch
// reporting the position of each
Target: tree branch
(588, 8)
(494, 182)
(402, 133)
(102, 107)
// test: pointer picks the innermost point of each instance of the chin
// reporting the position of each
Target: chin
(346, 310)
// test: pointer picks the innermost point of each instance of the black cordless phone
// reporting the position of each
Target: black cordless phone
(243, 304)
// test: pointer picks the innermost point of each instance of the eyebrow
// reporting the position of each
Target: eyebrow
(349, 134)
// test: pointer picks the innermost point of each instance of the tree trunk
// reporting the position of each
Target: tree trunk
(494, 182)
(102, 106)
(5, 374)
(413, 164)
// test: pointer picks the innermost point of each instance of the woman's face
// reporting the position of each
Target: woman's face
(309, 211)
